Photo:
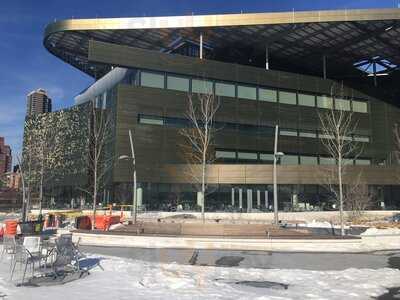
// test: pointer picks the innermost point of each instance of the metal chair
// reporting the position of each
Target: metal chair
(24, 258)
(9, 245)
(67, 255)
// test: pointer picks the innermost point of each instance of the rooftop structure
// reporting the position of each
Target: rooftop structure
(339, 44)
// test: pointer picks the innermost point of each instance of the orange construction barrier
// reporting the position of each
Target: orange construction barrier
(104, 222)
(11, 227)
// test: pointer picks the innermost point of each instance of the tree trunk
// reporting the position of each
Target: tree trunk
(94, 196)
(203, 188)
(340, 195)
(41, 189)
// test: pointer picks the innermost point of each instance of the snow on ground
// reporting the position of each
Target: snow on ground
(381, 231)
(133, 279)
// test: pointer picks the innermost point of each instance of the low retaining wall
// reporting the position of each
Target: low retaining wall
(210, 229)
(365, 244)
(248, 217)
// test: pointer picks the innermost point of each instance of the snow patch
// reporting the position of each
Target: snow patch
(381, 231)
(132, 279)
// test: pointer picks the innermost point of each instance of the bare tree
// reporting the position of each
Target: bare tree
(337, 127)
(99, 161)
(358, 197)
(199, 136)
(25, 162)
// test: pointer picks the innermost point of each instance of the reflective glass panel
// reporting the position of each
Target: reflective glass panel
(177, 83)
(287, 97)
(289, 160)
(247, 92)
(327, 161)
(267, 95)
(267, 156)
(225, 154)
(360, 106)
(288, 132)
(202, 86)
(324, 102)
(155, 80)
(308, 160)
(364, 162)
(308, 134)
(307, 100)
(247, 155)
(360, 138)
(224, 89)
(151, 120)
(342, 104)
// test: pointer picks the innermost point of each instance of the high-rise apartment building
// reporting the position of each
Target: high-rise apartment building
(38, 102)
(5, 157)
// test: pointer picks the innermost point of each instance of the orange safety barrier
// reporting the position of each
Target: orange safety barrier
(104, 222)
(11, 227)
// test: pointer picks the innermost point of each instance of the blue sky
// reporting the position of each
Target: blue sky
(26, 65)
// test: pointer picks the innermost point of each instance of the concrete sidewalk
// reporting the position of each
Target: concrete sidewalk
(368, 243)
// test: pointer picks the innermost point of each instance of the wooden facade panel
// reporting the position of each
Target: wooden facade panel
(158, 145)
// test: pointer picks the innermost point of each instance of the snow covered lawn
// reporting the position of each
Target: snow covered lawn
(133, 279)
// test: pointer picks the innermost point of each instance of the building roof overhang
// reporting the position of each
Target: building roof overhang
(296, 41)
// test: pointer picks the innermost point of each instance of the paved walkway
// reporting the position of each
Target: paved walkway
(256, 259)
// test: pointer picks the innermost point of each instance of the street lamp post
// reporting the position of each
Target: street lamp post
(134, 204)
(277, 155)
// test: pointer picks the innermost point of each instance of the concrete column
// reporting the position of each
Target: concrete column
(240, 199)
(258, 199)
(139, 195)
(374, 69)
(199, 198)
(266, 58)
(249, 200)
(266, 200)
(201, 46)
(233, 197)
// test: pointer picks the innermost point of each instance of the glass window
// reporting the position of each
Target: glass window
(151, 120)
(202, 86)
(224, 89)
(308, 134)
(348, 161)
(155, 80)
(307, 100)
(267, 95)
(267, 157)
(362, 139)
(363, 162)
(342, 104)
(289, 160)
(287, 97)
(247, 155)
(177, 83)
(308, 160)
(360, 106)
(324, 102)
(288, 132)
(225, 154)
(247, 92)
(323, 135)
(327, 161)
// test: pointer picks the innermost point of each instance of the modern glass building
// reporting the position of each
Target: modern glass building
(267, 69)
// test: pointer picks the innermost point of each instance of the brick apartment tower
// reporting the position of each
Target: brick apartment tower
(5, 157)
(37, 102)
